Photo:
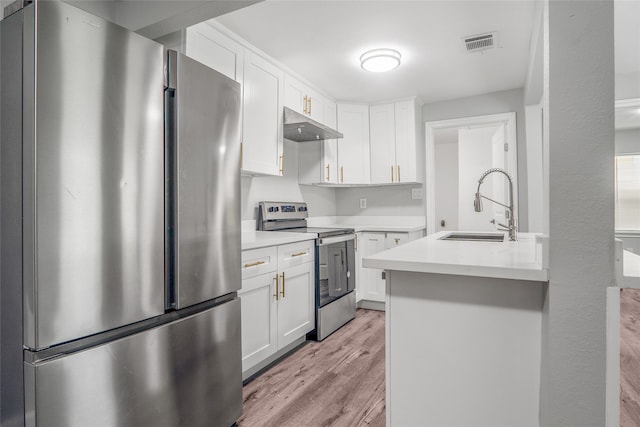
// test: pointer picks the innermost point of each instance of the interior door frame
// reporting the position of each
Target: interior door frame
(508, 119)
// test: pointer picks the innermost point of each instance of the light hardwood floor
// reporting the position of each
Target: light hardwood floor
(630, 358)
(336, 382)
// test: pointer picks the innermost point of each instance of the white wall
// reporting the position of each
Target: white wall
(533, 126)
(628, 85)
(579, 134)
(491, 103)
(321, 201)
(446, 178)
(474, 158)
(627, 141)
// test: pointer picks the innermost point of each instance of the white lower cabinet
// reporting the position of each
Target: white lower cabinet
(369, 283)
(278, 306)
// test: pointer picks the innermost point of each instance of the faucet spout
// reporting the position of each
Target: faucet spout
(477, 202)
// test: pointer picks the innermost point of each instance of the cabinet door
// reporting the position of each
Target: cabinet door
(294, 93)
(330, 146)
(315, 105)
(396, 239)
(259, 319)
(212, 48)
(296, 303)
(406, 144)
(373, 287)
(353, 149)
(262, 116)
(383, 144)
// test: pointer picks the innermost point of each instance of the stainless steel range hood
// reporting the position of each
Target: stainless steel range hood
(300, 128)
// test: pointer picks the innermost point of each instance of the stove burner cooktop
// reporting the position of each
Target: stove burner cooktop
(321, 231)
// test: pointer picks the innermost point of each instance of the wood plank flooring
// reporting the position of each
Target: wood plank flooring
(337, 382)
(630, 358)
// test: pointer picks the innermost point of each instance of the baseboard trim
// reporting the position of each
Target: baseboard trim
(371, 305)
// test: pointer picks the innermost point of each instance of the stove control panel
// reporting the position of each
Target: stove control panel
(281, 211)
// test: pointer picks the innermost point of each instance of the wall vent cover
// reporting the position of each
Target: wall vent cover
(480, 42)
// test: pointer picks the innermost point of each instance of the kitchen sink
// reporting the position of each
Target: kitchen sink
(474, 237)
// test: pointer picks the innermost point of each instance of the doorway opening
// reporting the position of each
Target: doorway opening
(458, 152)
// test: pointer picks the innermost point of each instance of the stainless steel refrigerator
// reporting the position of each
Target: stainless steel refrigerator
(120, 228)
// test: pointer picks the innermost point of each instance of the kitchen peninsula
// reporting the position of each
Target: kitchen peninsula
(463, 332)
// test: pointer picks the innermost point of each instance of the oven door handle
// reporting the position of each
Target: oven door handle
(330, 240)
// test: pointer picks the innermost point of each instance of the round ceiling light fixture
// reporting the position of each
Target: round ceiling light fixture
(380, 60)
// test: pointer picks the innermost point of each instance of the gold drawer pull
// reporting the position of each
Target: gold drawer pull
(299, 254)
(253, 264)
(391, 173)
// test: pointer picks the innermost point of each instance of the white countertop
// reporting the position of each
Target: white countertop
(252, 239)
(261, 239)
(519, 260)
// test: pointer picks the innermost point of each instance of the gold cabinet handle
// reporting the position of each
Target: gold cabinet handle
(276, 294)
(398, 173)
(299, 254)
(397, 241)
(341, 173)
(328, 173)
(309, 105)
(391, 173)
(282, 293)
(304, 105)
(253, 264)
(282, 164)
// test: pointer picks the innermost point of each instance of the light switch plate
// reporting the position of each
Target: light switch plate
(363, 203)
(416, 193)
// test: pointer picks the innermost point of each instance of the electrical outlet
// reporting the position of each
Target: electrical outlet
(416, 193)
(363, 203)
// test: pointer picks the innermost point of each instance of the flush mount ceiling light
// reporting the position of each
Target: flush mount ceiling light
(380, 60)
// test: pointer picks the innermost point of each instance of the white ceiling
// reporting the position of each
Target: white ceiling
(322, 40)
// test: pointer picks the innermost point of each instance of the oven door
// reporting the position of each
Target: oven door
(336, 268)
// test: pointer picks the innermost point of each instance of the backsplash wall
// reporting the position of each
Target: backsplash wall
(381, 201)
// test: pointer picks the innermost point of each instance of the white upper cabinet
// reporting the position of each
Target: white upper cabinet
(301, 98)
(262, 147)
(383, 144)
(408, 116)
(353, 149)
(214, 49)
(330, 146)
(395, 132)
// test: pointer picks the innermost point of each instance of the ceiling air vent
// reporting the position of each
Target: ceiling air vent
(480, 42)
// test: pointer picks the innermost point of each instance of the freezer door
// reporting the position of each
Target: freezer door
(204, 190)
(92, 175)
(185, 373)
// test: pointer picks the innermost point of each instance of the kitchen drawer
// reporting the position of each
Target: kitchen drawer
(295, 254)
(259, 261)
